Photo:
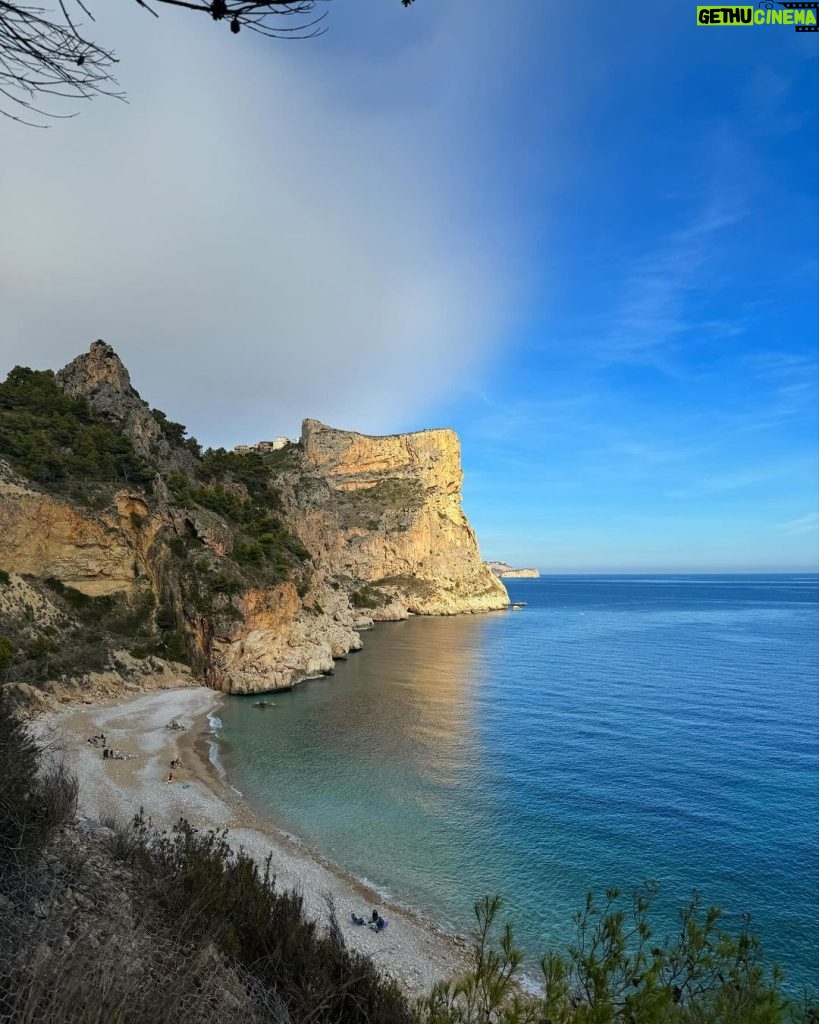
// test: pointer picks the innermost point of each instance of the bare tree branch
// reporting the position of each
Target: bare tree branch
(45, 53)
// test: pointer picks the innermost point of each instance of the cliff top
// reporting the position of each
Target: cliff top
(311, 427)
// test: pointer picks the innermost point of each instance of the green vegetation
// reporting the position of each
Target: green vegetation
(367, 507)
(262, 541)
(175, 433)
(110, 613)
(52, 438)
(390, 493)
(616, 972)
(365, 597)
(251, 470)
(221, 896)
(84, 634)
(7, 652)
(5, 579)
(410, 585)
(40, 648)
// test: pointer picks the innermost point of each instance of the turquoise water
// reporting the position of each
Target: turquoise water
(617, 729)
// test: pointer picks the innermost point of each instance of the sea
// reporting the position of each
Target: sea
(617, 729)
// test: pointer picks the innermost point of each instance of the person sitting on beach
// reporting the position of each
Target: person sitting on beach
(374, 918)
(105, 753)
(357, 920)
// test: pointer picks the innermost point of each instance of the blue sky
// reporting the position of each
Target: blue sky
(655, 404)
(583, 236)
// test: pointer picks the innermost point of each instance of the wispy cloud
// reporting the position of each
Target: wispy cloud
(655, 308)
(746, 478)
(804, 524)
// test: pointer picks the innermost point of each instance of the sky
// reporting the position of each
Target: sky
(587, 238)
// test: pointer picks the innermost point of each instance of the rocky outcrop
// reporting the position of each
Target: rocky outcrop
(506, 572)
(283, 638)
(45, 537)
(101, 377)
(380, 519)
(384, 514)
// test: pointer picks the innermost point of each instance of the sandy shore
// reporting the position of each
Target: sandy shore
(411, 949)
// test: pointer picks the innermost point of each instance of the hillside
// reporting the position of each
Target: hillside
(125, 550)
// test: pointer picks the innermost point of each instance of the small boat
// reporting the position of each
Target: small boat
(264, 704)
(517, 605)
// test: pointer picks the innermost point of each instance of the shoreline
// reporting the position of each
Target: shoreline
(413, 949)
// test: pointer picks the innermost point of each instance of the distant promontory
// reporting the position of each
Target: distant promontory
(507, 572)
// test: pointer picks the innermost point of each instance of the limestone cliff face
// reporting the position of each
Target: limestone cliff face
(386, 512)
(283, 638)
(44, 537)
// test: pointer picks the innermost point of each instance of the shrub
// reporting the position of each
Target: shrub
(5, 579)
(262, 541)
(36, 797)
(6, 655)
(40, 648)
(615, 974)
(174, 432)
(365, 597)
(223, 584)
(213, 892)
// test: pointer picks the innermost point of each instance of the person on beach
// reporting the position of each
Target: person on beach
(170, 777)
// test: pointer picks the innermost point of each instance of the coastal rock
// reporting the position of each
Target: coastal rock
(384, 514)
(506, 572)
(282, 639)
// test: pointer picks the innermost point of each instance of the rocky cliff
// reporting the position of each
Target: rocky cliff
(384, 515)
(256, 569)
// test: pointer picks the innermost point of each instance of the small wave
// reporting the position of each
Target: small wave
(215, 723)
(385, 894)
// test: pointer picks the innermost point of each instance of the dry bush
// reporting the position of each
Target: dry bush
(38, 795)
(60, 962)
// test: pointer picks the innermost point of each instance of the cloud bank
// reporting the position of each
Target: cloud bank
(267, 230)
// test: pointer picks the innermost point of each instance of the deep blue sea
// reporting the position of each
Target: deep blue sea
(617, 729)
